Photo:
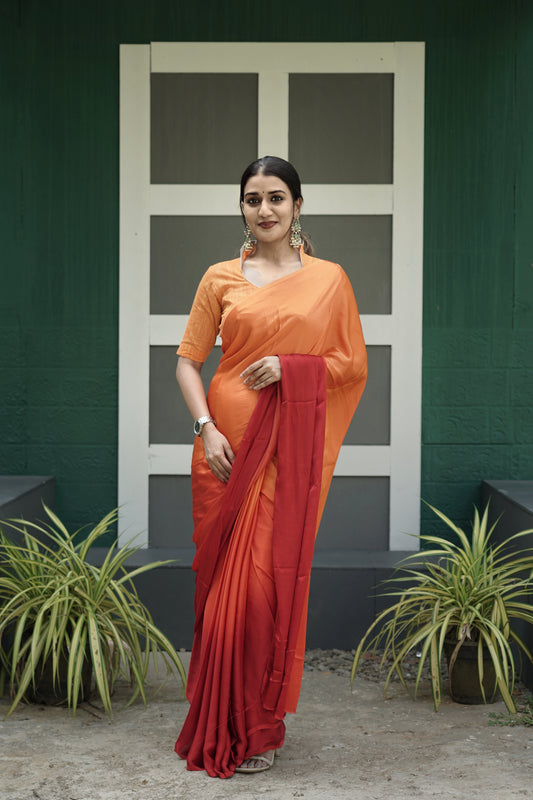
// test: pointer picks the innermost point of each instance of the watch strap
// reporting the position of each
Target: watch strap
(200, 422)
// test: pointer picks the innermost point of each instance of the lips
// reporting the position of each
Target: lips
(266, 225)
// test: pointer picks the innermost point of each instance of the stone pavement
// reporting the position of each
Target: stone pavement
(340, 745)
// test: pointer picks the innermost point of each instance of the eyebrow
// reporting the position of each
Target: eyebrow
(274, 191)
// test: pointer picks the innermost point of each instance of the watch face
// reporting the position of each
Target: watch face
(197, 427)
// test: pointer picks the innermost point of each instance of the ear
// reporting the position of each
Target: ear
(297, 207)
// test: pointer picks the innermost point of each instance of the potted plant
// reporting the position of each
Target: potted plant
(64, 618)
(461, 596)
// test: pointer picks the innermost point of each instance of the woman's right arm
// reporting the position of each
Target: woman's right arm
(218, 452)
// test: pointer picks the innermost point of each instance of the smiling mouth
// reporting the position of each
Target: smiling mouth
(266, 224)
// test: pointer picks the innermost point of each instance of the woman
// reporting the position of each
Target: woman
(292, 371)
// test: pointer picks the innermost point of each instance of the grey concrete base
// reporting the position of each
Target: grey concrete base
(22, 497)
(343, 598)
(512, 503)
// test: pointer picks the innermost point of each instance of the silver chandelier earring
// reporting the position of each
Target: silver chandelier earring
(249, 241)
(296, 233)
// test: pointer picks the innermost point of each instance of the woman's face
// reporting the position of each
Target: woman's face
(268, 208)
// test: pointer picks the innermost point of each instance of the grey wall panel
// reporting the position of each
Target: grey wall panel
(371, 422)
(170, 515)
(199, 133)
(341, 606)
(22, 497)
(168, 593)
(356, 516)
(181, 249)
(341, 127)
(362, 245)
(170, 421)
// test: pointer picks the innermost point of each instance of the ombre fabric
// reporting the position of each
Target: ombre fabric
(254, 536)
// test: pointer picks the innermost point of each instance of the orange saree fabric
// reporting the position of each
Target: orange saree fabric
(240, 691)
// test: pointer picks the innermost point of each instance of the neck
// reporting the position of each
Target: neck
(276, 253)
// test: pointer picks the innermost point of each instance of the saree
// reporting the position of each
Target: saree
(254, 536)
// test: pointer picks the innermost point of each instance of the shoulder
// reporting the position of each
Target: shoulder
(223, 269)
(219, 276)
(329, 268)
(222, 273)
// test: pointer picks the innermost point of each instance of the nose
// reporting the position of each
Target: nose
(264, 208)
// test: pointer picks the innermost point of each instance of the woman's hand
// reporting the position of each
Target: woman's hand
(218, 452)
(262, 373)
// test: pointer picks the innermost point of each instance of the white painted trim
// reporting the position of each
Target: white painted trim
(347, 198)
(189, 199)
(377, 328)
(354, 460)
(134, 365)
(363, 460)
(273, 114)
(402, 330)
(406, 362)
(168, 329)
(170, 459)
(259, 57)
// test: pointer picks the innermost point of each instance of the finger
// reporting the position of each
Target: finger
(250, 369)
(262, 373)
(224, 466)
(265, 379)
(253, 375)
(254, 368)
(229, 453)
(220, 471)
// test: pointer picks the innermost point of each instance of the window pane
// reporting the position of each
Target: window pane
(170, 516)
(341, 127)
(181, 249)
(371, 422)
(170, 421)
(356, 516)
(362, 245)
(203, 127)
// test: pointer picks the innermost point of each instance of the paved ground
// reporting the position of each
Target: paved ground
(340, 745)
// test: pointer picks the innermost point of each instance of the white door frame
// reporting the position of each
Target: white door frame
(403, 199)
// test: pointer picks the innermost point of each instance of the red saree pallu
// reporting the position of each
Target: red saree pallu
(221, 728)
(255, 535)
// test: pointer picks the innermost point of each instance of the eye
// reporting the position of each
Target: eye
(252, 201)
(277, 197)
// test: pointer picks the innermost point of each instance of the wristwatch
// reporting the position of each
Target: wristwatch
(200, 422)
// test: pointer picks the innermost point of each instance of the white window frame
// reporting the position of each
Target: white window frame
(403, 199)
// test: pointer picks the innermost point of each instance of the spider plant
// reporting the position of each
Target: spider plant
(461, 590)
(56, 607)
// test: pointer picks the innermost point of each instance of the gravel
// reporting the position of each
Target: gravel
(340, 662)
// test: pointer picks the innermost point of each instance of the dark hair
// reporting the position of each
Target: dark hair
(272, 165)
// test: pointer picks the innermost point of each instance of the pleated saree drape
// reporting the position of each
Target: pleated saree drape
(255, 535)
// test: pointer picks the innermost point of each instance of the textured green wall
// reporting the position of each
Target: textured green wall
(59, 225)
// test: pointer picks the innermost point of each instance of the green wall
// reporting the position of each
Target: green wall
(59, 226)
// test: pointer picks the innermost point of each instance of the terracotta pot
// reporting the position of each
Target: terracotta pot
(464, 678)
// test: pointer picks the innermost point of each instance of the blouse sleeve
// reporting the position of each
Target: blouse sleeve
(204, 321)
